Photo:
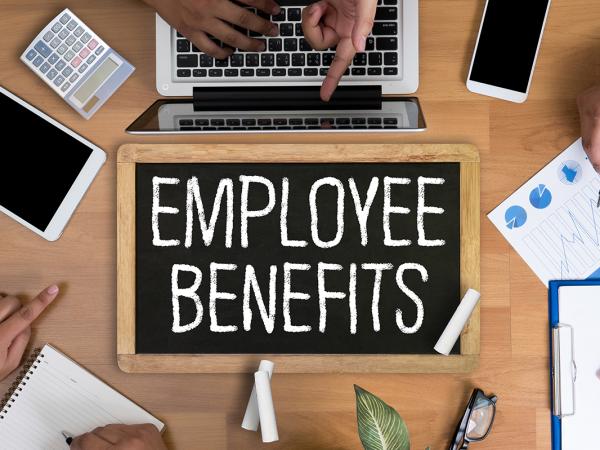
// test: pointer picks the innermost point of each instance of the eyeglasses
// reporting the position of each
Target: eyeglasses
(476, 422)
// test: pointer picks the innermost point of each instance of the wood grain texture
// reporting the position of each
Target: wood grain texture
(470, 251)
(125, 259)
(314, 411)
(290, 153)
(130, 154)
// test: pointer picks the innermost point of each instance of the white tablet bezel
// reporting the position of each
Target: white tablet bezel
(65, 210)
(497, 91)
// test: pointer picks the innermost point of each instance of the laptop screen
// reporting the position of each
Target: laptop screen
(179, 116)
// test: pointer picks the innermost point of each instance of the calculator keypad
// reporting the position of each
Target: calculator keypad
(65, 50)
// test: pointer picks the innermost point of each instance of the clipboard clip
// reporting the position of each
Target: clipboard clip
(564, 370)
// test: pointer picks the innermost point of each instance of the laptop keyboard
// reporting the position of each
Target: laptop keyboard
(281, 123)
(289, 55)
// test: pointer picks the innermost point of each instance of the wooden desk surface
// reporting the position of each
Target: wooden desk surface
(315, 411)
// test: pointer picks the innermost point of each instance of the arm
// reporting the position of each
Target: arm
(15, 326)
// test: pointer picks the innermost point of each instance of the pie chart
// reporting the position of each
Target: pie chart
(515, 217)
(540, 197)
(569, 172)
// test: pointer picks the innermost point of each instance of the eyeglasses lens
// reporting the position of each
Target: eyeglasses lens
(481, 418)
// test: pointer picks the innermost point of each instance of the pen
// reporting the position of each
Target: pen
(68, 437)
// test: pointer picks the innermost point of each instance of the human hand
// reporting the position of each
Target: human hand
(196, 19)
(15, 326)
(345, 23)
(589, 114)
(120, 437)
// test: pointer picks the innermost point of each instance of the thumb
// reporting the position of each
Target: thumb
(365, 14)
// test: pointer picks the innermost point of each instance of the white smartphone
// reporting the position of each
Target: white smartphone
(507, 47)
(46, 169)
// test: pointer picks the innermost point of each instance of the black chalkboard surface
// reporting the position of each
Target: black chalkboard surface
(313, 311)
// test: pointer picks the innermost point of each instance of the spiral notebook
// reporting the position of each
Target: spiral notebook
(55, 394)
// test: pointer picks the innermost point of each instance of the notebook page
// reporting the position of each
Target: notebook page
(579, 306)
(61, 395)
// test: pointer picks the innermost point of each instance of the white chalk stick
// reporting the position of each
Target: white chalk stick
(266, 409)
(457, 322)
(251, 417)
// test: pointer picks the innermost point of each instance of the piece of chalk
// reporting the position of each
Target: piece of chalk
(266, 410)
(251, 417)
(457, 322)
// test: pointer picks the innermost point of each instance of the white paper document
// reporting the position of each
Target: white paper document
(553, 220)
(55, 395)
(579, 307)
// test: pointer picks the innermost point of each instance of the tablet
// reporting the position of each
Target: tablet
(46, 168)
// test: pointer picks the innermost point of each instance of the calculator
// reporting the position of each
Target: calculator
(76, 63)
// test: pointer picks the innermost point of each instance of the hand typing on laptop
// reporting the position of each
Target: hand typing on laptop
(15, 326)
(197, 19)
(345, 23)
(589, 112)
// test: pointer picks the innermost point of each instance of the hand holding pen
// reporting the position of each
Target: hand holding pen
(117, 437)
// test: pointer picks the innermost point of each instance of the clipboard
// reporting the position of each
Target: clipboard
(563, 360)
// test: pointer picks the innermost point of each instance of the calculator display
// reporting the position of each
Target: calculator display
(95, 80)
(38, 172)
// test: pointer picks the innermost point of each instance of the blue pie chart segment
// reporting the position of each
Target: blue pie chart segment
(569, 172)
(515, 217)
(540, 197)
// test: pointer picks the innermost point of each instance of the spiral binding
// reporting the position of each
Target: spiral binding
(21, 381)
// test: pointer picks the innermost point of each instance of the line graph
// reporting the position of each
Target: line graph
(567, 243)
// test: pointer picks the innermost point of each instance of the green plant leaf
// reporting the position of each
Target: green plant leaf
(380, 427)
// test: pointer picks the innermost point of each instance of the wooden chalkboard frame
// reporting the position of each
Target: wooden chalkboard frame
(131, 154)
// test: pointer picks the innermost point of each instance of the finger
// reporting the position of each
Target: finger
(110, 433)
(318, 35)
(240, 16)
(8, 305)
(17, 348)
(343, 58)
(89, 441)
(268, 6)
(593, 149)
(234, 38)
(21, 319)
(365, 15)
(208, 46)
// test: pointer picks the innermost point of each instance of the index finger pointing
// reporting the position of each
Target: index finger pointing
(343, 58)
(21, 319)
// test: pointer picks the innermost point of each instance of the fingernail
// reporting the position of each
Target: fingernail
(52, 289)
(362, 43)
(274, 31)
(262, 47)
(276, 10)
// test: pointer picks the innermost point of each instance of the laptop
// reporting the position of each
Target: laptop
(278, 89)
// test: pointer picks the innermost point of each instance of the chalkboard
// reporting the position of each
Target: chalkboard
(295, 258)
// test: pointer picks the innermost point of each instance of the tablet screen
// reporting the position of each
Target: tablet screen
(38, 167)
